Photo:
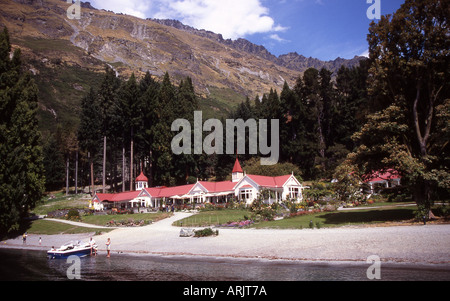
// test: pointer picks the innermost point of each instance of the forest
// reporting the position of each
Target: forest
(317, 118)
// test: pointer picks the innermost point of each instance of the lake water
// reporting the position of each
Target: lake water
(31, 265)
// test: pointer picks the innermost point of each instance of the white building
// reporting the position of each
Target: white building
(242, 187)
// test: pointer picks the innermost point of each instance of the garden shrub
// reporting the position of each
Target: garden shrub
(73, 215)
(205, 232)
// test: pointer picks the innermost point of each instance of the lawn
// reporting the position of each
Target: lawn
(61, 201)
(342, 218)
(51, 228)
(102, 220)
(214, 217)
(324, 219)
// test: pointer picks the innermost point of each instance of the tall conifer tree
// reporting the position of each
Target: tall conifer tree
(22, 179)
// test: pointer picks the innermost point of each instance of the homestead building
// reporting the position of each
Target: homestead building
(242, 187)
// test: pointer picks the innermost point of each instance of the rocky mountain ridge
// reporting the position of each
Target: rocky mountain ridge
(291, 60)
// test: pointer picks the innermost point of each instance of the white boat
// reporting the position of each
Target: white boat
(72, 248)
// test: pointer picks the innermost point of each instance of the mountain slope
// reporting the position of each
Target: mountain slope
(68, 56)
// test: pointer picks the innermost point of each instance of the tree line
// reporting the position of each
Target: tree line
(318, 116)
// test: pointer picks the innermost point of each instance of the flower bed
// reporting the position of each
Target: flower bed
(128, 223)
(300, 213)
(240, 224)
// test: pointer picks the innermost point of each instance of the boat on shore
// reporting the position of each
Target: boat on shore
(78, 248)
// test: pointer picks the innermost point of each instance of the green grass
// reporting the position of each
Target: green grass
(61, 201)
(220, 102)
(212, 218)
(325, 219)
(101, 220)
(51, 228)
(343, 218)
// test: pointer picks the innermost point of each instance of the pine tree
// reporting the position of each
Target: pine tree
(22, 179)
(89, 131)
(149, 92)
(162, 135)
(130, 115)
(54, 164)
(109, 119)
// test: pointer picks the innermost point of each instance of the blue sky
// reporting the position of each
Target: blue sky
(323, 29)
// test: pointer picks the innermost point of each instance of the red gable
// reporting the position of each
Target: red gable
(266, 181)
(173, 191)
(167, 192)
(218, 186)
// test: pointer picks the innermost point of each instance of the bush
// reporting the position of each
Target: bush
(73, 215)
(422, 213)
(263, 211)
(442, 211)
(205, 232)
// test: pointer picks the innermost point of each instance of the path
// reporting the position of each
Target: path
(79, 224)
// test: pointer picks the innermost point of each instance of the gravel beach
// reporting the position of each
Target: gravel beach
(425, 244)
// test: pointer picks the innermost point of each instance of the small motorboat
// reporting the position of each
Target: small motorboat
(72, 248)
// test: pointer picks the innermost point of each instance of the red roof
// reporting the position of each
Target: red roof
(142, 178)
(266, 181)
(218, 186)
(167, 192)
(177, 190)
(237, 167)
(117, 197)
(378, 176)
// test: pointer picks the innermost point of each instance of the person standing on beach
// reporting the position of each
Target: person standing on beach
(108, 247)
(92, 245)
(24, 238)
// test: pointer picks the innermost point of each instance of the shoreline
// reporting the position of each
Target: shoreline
(411, 244)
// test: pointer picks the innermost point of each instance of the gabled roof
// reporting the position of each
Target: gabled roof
(266, 181)
(237, 167)
(117, 197)
(167, 192)
(213, 187)
(379, 176)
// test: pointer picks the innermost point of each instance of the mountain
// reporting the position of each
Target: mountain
(293, 60)
(68, 56)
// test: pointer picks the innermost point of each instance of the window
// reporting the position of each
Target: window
(245, 194)
(293, 193)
